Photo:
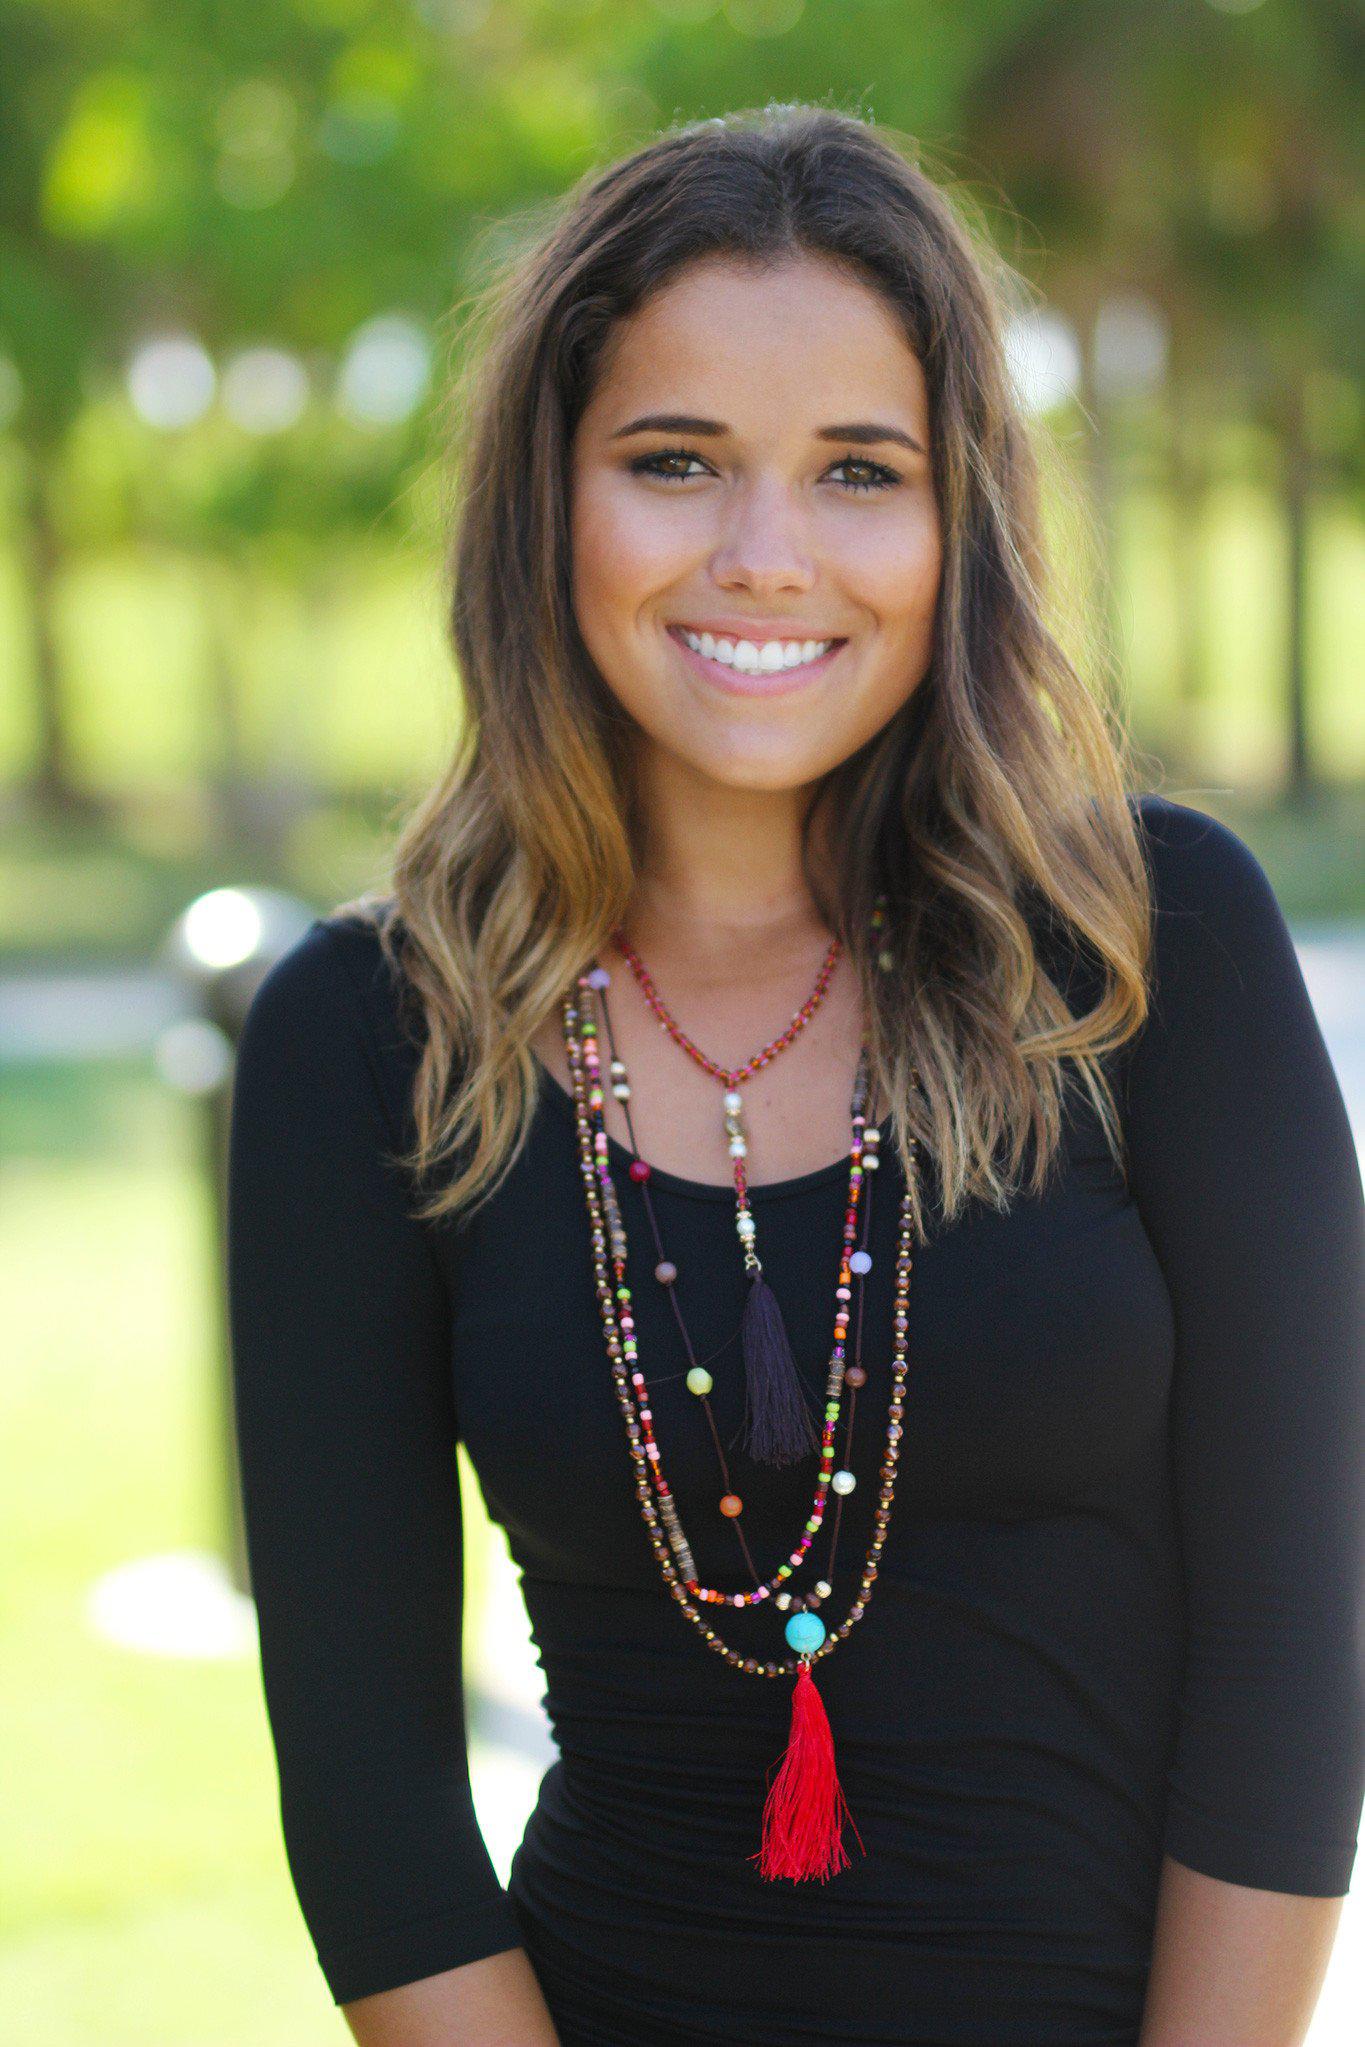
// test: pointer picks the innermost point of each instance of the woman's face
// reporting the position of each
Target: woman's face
(754, 464)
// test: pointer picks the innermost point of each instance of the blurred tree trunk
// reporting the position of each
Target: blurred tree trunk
(1188, 471)
(52, 784)
(239, 822)
(1104, 494)
(1296, 484)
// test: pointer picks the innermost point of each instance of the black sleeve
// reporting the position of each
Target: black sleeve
(1246, 1176)
(346, 1434)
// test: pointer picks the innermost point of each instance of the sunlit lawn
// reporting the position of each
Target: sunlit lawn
(145, 1894)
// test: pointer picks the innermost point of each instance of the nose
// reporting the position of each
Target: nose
(764, 547)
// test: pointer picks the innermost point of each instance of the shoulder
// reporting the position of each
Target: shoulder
(333, 999)
(1193, 856)
(1224, 967)
(1210, 898)
(1209, 890)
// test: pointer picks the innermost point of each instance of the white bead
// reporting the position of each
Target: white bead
(824, 1588)
(782, 1599)
(734, 1100)
(843, 1481)
(738, 1148)
(621, 1090)
(860, 1261)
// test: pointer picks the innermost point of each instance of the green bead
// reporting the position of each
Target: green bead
(699, 1380)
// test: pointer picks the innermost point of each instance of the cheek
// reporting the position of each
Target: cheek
(621, 551)
(895, 568)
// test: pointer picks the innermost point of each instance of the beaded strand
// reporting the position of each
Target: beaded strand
(699, 1381)
(730, 1504)
(614, 1300)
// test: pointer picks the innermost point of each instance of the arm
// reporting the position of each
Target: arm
(493, 2003)
(346, 1437)
(1245, 1173)
(1233, 1966)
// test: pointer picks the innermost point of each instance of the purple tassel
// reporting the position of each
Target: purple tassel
(778, 1423)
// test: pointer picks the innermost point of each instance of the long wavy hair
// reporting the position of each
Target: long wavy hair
(997, 792)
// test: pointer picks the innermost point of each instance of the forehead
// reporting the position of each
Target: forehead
(787, 345)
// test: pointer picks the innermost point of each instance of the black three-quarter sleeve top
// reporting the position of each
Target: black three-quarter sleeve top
(1121, 1606)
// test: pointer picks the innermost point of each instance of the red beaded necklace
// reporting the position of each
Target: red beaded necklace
(804, 1809)
(777, 1423)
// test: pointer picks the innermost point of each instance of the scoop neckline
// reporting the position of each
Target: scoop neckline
(695, 1190)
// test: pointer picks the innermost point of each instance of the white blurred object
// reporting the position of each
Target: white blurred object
(265, 390)
(385, 371)
(1132, 342)
(171, 381)
(181, 1603)
(1044, 359)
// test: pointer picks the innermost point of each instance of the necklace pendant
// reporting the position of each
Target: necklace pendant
(777, 1423)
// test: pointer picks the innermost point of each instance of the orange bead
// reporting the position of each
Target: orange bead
(731, 1504)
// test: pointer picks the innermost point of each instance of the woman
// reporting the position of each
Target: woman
(784, 994)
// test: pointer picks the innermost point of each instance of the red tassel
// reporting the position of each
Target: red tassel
(805, 1809)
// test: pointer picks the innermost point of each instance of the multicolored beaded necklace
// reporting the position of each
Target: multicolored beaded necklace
(777, 1421)
(804, 1810)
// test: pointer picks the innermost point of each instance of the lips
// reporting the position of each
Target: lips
(765, 682)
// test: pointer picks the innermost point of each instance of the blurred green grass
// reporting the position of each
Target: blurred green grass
(146, 1899)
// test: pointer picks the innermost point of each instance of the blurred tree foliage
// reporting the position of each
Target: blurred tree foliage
(280, 172)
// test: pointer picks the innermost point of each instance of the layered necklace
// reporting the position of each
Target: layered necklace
(804, 1810)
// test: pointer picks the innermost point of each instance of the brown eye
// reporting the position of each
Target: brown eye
(878, 475)
(645, 465)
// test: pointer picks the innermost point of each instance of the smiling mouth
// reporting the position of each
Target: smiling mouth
(752, 674)
(751, 655)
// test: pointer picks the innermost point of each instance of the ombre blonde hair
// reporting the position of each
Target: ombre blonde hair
(998, 791)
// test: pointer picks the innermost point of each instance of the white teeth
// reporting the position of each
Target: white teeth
(755, 660)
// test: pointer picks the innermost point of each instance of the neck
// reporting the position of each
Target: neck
(721, 874)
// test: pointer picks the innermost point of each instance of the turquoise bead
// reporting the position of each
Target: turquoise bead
(805, 1632)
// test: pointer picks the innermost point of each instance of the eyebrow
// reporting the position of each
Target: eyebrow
(864, 433)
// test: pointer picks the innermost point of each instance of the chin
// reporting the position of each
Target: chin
(756, 770)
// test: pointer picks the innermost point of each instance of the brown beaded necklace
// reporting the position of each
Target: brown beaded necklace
(804, 1809)
(777, 1422)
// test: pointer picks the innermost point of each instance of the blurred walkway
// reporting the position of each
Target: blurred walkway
(74, 1015)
